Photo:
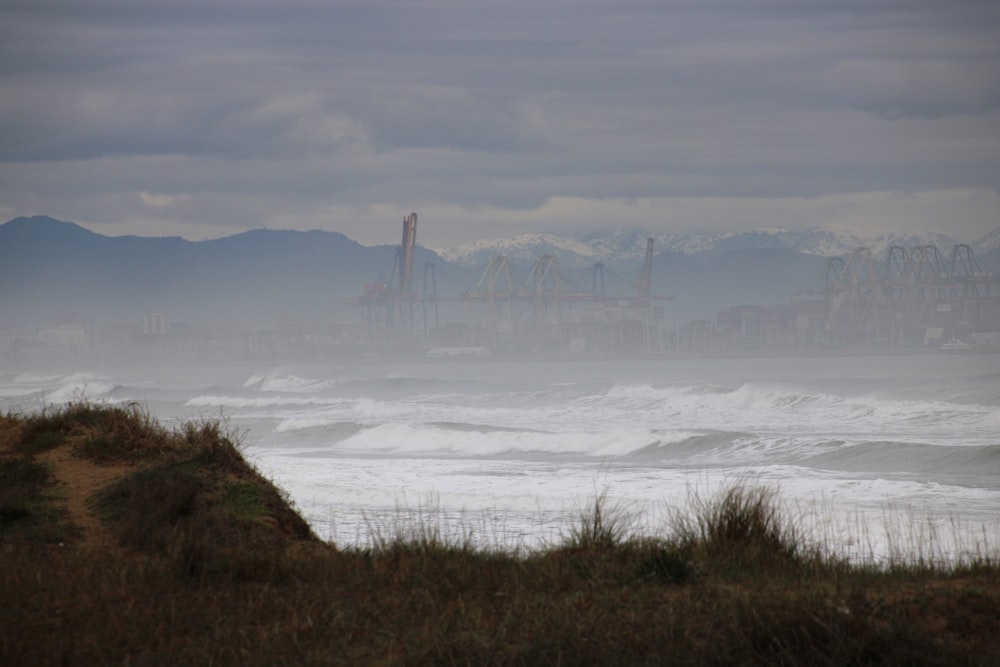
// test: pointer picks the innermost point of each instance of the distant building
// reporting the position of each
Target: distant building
(155, 324)
(63, 335)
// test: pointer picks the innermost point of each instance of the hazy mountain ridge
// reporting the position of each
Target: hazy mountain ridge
(520, 247)
(51, 267)
(630, 245)
(989, 243)
(263, 277)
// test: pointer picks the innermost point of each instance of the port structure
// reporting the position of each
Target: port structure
(535, 311)
(390, 304)
(541, 311)
(906, 295)
(511, 305)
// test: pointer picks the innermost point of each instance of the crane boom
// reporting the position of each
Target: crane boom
(646, 278)
(408, 246)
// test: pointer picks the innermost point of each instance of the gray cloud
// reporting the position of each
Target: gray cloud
(178, 113)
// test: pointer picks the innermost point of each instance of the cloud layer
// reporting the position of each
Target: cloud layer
(206, 118)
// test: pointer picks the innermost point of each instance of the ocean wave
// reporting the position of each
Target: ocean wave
(762, 411)
(691, 446)
(908, 457)
(407, 439)
(227, 401)
(751, 406)
(286, 383)
(744, 397)
(330, 431)
(79, 387)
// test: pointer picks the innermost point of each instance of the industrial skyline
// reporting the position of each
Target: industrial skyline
(911, 298)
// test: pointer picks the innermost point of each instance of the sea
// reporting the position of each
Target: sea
(879, 458)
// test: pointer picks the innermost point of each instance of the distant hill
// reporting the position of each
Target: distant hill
(262, 278)
(50, 268)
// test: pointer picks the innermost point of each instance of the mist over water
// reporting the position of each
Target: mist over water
(873, 453)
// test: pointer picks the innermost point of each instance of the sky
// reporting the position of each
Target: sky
(205, 118)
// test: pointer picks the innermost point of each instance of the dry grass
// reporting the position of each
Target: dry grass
(213, 566)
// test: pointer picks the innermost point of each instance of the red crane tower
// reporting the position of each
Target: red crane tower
(646, 277)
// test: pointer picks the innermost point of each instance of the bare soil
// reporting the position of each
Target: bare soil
(77, 479)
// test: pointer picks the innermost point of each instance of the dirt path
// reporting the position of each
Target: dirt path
(78, 479)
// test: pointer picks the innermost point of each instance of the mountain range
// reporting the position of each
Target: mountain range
(619, 246)
(50, 269)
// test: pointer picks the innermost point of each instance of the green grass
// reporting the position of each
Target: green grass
(30, 511)
(214, 566)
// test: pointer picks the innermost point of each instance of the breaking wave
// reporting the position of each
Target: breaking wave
(895, 457)
(57, 389)
(428, 440)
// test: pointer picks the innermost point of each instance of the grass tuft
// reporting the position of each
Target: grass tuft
(601, 527)
(146, 506)
(29, 507)
(667, 564)
(740, 532)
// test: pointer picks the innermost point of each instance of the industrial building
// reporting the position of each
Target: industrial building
(909, 297)
(901, 299)
(537, 312)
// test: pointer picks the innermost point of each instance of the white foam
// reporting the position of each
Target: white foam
(13, 392)
(407, 439)
(754, 408)
(768, 413)
(302, 423)
(224, 401)
(286, 383)
(79, 388)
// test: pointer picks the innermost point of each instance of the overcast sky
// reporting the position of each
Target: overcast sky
(204, 118)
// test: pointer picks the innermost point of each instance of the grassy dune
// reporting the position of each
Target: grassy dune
(123, 542)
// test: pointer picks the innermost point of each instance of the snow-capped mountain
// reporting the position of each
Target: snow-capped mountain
(989, 243)
(630, 245)
(527, 247)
